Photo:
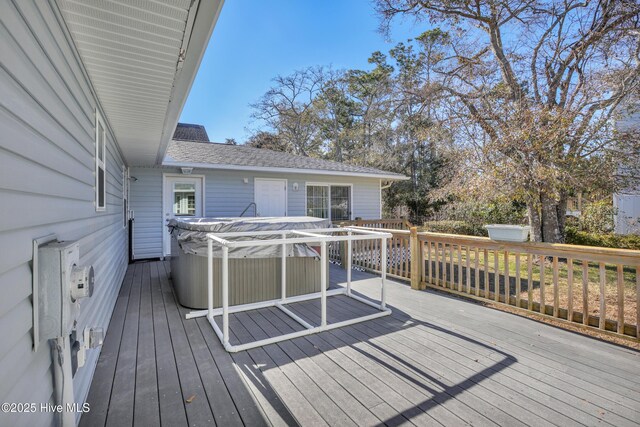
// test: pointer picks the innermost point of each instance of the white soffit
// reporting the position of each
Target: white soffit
(130, 49)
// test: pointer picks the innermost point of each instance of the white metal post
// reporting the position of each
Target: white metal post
(225, 295)
(383, 272)
(349, 255)
(323, 283)
(283, 266)
(210, 278)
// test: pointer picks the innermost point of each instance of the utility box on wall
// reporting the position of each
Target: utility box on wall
(61, 283)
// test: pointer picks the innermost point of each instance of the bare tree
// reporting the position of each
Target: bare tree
(533, 87)
(287, 109)
(267, 140)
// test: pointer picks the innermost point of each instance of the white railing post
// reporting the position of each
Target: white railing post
(225, 295)
(209, 278)
(283, 266)
(349, 255)
(323, 283)
(383, 272)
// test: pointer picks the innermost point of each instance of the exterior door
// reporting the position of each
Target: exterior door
(270, 197)
(182, 198)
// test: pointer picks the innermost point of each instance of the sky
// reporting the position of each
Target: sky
(256, 40)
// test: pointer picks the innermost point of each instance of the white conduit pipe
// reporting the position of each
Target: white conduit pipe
(349, 256)
(283, 267)
(223, 334)
(383, 273)
(323, 282)
(225, 295)
(210, 279)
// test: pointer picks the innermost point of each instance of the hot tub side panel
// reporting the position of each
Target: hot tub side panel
(250, 279)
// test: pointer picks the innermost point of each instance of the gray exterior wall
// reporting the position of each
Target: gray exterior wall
(627, 213)
(627, 201)
(47, 186)
(226, 194)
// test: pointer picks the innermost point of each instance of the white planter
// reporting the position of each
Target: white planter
(508, 233)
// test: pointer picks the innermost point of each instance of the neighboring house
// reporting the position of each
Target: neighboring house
(627, 202)
(201, 178)
(86, 90)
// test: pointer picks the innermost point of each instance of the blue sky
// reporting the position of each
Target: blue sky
(255, 40)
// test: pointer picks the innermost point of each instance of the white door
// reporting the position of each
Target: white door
(182, 198)
(270, 197)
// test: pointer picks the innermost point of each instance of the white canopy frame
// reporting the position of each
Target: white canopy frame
(321, 236)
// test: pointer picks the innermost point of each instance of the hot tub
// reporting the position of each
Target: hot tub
(254, 273)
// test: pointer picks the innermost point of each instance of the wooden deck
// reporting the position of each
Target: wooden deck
(437, 360)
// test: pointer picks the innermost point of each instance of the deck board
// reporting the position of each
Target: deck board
(437, 360)
(123, 391)
(106, 366)
(172, 410)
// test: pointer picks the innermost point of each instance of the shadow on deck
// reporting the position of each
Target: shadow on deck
(436, 360)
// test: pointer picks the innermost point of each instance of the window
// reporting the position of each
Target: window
(101, 172)
(184, 199)
(318, 201)
(125, 195)
(329, 201)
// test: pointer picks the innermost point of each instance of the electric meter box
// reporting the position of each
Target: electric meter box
(61, 283)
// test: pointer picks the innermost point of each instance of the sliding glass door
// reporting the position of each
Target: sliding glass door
(329, 201)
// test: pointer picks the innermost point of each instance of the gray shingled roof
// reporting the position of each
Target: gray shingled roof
(225, 156)
(190, 132)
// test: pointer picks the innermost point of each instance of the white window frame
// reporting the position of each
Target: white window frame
(163, 210)
(329, 185)
(101, 164)
(125, 196)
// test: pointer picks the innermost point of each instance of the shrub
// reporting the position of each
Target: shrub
(597, 217)
(574, 236)
(454, 227)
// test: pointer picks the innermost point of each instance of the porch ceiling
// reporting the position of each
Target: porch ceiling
(131, 52)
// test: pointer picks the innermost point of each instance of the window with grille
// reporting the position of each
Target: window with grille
(329, 201)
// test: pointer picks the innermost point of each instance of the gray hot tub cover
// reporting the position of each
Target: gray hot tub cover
(191, 234)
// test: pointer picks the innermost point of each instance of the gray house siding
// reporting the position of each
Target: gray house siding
(146, 204)
(627, 213)
(226, 194)
(627, 201)
(47, 186)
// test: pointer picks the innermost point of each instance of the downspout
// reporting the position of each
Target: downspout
(383, 187)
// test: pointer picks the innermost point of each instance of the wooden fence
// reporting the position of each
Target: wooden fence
(387, 224)
(590, 287)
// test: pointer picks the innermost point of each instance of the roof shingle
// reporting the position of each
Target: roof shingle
(190, 132)
(224, 155)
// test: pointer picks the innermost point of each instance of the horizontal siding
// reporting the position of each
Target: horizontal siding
(47, 186)
(146, 203)
(627, 216)
(226, 195)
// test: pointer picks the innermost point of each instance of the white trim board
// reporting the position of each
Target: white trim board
(284, 170)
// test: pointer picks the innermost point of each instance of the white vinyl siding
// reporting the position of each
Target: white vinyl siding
(227, 195)
(146, 207)
(627, 213)
(47, 153)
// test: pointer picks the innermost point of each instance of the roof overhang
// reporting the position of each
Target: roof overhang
(387, 177)
(141, 60)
